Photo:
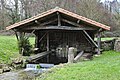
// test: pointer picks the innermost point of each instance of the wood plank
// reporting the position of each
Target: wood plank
(47, 22)
(16, 34)
(72, 23)
(38, 56)
(99, 43)
(59, 22)
(42, 37)
(57, 28)
(87, 39)
(79, 56)
(47, 41)
(90, 38)
(48, 46)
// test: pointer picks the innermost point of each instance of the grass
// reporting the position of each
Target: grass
(105, 67)
(9, 48)
(106, 39)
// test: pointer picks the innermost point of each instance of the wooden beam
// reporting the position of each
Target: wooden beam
(48, 22)
(99, 43)
(87, 39)
(42, 37)
(90, 38)
(59, 22)
(31, 33)
(72, 23)
(57, 27)
(78, 56)
(78, 25)
(36, 41)
(45, 23)
(47, 41)
(38, 56)
(16, 34)
(48, 44)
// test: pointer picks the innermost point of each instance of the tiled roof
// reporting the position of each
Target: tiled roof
(57, 9)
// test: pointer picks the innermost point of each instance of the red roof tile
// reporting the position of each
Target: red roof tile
(57, 9)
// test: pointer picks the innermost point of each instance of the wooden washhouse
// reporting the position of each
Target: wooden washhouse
(57, 30)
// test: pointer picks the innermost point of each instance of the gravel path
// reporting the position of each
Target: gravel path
(20, 75)
(9, 76)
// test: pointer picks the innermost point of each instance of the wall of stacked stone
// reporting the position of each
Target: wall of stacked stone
(108, 45)
(117, 45)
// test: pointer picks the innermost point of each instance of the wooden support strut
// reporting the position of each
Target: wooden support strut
(30, 34)
(77, 24)
(90, 38)
(99, 43)
(87, 39)
(79, 56)
(16, 34)
(48, 22)
(72, 23)
(47, 41)
(59, 22)
(48, 46)
(42, 37)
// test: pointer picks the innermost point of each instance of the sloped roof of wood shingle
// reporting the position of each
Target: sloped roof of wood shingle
(57, 9)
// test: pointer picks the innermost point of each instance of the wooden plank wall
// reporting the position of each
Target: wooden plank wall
(63, 39)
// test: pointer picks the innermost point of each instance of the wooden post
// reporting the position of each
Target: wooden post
(71, 55)
(36, 41)
(99, 43)
(21, 35)
(66, 51)
(48, 46)
(47, 41)
(16, 34)
(59, 22)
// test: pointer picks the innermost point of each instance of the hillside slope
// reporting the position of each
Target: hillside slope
(105, 67)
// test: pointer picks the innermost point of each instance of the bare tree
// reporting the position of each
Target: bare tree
(21, 9)
(12, 8)
(3, 18)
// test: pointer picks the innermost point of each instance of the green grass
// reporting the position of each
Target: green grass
(9, 48)
(105, 67)
(106, 39)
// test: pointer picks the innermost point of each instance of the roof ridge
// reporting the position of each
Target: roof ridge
(43, 14)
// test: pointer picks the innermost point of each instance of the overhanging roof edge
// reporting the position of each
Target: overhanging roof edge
(61, 11)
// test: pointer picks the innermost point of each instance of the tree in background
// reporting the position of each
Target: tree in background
(3, 18)
(12, 7)
(113, 8)
(17, 10)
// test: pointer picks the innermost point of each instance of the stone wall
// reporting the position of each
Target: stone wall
(117, 45)
(108, 45)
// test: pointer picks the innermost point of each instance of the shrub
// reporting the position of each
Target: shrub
(24, 45)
